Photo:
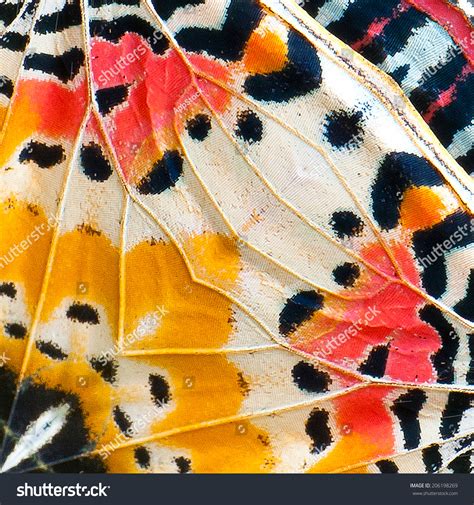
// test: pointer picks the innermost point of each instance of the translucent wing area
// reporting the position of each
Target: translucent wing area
(225, 248)
(426, 46)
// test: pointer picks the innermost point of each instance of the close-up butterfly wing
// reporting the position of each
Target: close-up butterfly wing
(229, 243)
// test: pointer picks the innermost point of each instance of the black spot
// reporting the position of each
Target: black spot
(397, 173)
(8, 12)
(166, 9)
(300, 76)
(14, 41)
(309, 378)
(51, 349)
(387, 466)
(160, 390)
(122, 421)
(458, 403)
(43, 155)
(343, 129)
(299, 308)
(6, 86)
(64, 66)
(183, 464)
(8, 289)
(229, 40)
(376, 362)
(443, 359)
(317, 428)
(432, 458)
(15, 330)
(430, 251)
(407, 408)
(465, 307)
(164, 174)
(106, 368)
(115, 29)
(108, 98)
(346, 224)
(346, 274)
(69, 15)
(249, 126)
(83, 313)
(142, 457)
(94, 164)
(198, 127)
(461, 464)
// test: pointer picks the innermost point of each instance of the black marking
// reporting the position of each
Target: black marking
(387, 466)
(15, 330)
(407, 408)
(160, 390)
(443, 359)
(8, 289)
(199, 126)
(298, 309)
(398, 172)
(430, 251)
(300, 76)
(115, 29)
(9, 382)
(343, 129)
(14, 41)
(6, 86)
(309, 378)
(461, 464)
(183, 464)
(108, 98)
(346, 274)
(90, 464)
(35, 398)
(123, 421)
(376, 362)
(142, 457)
(65, 66)
(465, 307)
(164, 174)
(107, 368)
(317, 428)
(69, 15)
(166, 9)
(432, 458)
(43, 155)
(470, 372)
(346, 224)
(249, 126)
(228, 42)
(458, 403)
(94, 164)
(83, 313)
(51, 349)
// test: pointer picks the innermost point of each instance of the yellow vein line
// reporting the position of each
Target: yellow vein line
(122, 269)
(53, 247)
(198, 351)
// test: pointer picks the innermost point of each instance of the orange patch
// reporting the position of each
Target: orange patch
(265, 53)
(421, 208)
